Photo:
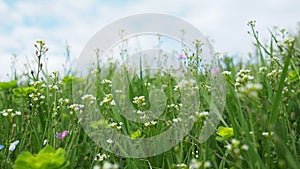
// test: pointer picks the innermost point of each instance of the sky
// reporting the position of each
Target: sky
(74, 22)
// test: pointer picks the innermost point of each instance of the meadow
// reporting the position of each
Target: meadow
(45, 117)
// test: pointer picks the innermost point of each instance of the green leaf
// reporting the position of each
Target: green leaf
(72, 79)
(47, 158)
(24, 161)
(136, 134)
(8, 85)
(22, 91)
(224, 133)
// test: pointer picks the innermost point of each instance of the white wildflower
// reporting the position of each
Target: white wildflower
(13, 145)
(207, 164)
(109, 141)
(245, 147)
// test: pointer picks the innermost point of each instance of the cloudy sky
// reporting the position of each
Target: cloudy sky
(74, 22)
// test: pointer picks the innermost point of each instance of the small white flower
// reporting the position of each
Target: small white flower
(151, 123)
(108, 165)
(226, 73)
(113, 103)
(96, 167)
(55, 87)
(262, 69)
(207, 164)
(45, 142)
(18, 113)
(4, 113)
(176, 88)
(89, 97)
(13, 145)
(245, 147)
(202, 114)
(9, 110)
(110, 141)
(195, 164)
(106, 81)
(114, 124)
(176, 120)
(235, 142)
(182, 165)
(228, 147)
(266, 134)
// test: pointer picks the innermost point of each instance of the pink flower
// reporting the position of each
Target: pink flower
(62, 134)
(215, 70)
(181, 56)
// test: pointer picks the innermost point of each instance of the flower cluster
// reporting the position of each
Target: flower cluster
(108, 100)
(10, 113)
(182, 165)
(226, 73)
(176, 120)
(38, 84)
(106, 82)
(140, 101)
(100, 157)
(108, 165)
(235, 147)
(151, 123)
(37, 97)
(174, 106)
(77, 108)
(142, 114)
(243, 77)
(88, 98)
(195, 164)
(274, 74)
(262, 69)
(250, 89)
(63, 101)
(116, 125)
(285, 43)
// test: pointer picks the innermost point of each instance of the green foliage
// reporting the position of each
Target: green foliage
(47, 158)
(225, 133)
(8, 85)
(136, 134)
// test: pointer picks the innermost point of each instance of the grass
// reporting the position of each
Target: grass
(258, 129)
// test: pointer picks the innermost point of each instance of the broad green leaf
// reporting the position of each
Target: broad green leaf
(136, 134)
(224, 133)
(8, 85)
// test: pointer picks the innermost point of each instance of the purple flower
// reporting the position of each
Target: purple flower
(215, 70)
(62, 134)
(181, 56)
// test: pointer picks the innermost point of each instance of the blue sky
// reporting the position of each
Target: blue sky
(75, 22)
